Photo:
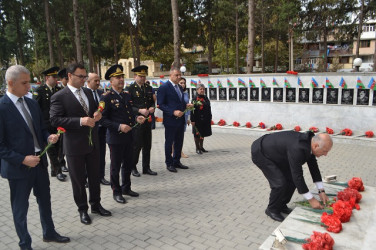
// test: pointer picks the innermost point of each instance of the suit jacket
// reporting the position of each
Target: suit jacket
(16, 140)
(118, 110)
(290, 150)
(66, 111)
(168, 101)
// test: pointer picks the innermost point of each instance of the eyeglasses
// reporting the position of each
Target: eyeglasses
(81, 77)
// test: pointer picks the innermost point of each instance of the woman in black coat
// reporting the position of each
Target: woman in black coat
(201, 119)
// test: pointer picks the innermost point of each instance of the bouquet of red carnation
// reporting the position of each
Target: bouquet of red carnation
(319, 241)
(261, 125)
(221, 122)
(343, 210)
(212, 122)
(313, 129)
(369, 134)
(60, 130)
(346, 132)
(297, 128)
(356, 183)
(248, 125)
(278, 126)
(236, 124)
(351, 195)
(331, 222)
(329, 131)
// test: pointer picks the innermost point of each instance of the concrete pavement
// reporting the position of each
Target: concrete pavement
(218, 203)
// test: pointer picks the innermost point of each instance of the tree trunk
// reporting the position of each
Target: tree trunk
(236, 38)
(325, 45)
(262, 40)
(77, 32)
(276, 52)
(136, 36)
(227, 56)
(88, 42)
(57, 39)
(360, 29)
(19, 41)
(116, 53)
(210, 38)
(175, 21)
(130, 30)
(251, 35)
(49, 36)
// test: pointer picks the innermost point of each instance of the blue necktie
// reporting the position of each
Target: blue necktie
(178, 90)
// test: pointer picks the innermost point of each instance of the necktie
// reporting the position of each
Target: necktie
(83, 104)
(95, 97)
(29, 122)
(178, 90)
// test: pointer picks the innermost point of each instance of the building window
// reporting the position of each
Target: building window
(369, 28)
(344, 59)
(365, 43)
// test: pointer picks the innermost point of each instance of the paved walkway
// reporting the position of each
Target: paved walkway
(218, 203)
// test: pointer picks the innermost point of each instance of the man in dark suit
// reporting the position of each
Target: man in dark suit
(93, 85)
(74, 109)
(119, 120)
(22, 136)
(64, 81)
(170, 100)
(43, 96)
(143, 104)
(280, 157)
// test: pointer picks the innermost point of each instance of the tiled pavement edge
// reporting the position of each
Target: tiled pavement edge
(218, 203)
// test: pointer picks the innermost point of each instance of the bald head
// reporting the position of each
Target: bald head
(321, 144)
(93, 81)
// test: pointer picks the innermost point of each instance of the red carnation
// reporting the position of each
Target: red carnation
(329, 131)
(313, 129)
(369, 134)
(261, 125)
(343, 210)
(278, 126)
(356, 183)
(236, 124)
(297, 128)
(221, 122)
(319, 241)
(332, 222)
(346, 132)
(61, 129)
(349, 193)
(248, 125)
(212, 122)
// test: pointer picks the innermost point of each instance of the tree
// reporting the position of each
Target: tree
(49, 35)
(251, 35)
(77, 32)
(175, 21)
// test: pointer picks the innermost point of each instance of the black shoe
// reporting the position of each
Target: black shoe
(100, 210)
(130, 193)
(203, 150)
(56, 238)
(26, 248)
(172, 169)
(85, 218)
(135, 173)
(149, 172)
(198, 151)
(274, 216)
(65, 176)
(286, 210)
(179, 165)
(60, 177)
(105, 182)
(119, 198)
(53, 174)
(64, 169)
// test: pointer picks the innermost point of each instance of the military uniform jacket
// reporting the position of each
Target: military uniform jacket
(43, 96)
(142, 97)
(118, 110)
(290, 150)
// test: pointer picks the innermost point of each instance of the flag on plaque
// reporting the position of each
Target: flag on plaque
(328, 84)
(210, 84)
(314, 83)
(219, 84)
(229, 83)
(162, 82)
(275, 82)
(241, 83)
(262, 83)
(300, 83)
(342, 83)
(372, 84)
(154, 84)
(287, 84)
(251, 83)
(193, 83)
(359, 84)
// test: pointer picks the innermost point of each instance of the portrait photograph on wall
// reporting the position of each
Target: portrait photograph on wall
(318, 95)
(290, 94)
(362, 97)
(374, 98)
(347, 96)
(155, 90)
(332, 96)
(213, 94)
(254, 96)
(194, 93)
(243, 94)
(233, 94)
(304, 95)
(265, 94)
(222, 94)
(277, 95)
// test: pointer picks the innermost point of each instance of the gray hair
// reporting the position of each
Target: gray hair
(13, 72)
(173, 68)
(200, 85)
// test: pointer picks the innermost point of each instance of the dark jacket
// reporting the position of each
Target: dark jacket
(202, 116)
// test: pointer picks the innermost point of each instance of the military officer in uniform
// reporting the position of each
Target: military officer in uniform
(63, 75)
(143, 104)
(43, 96)
(119, 119)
